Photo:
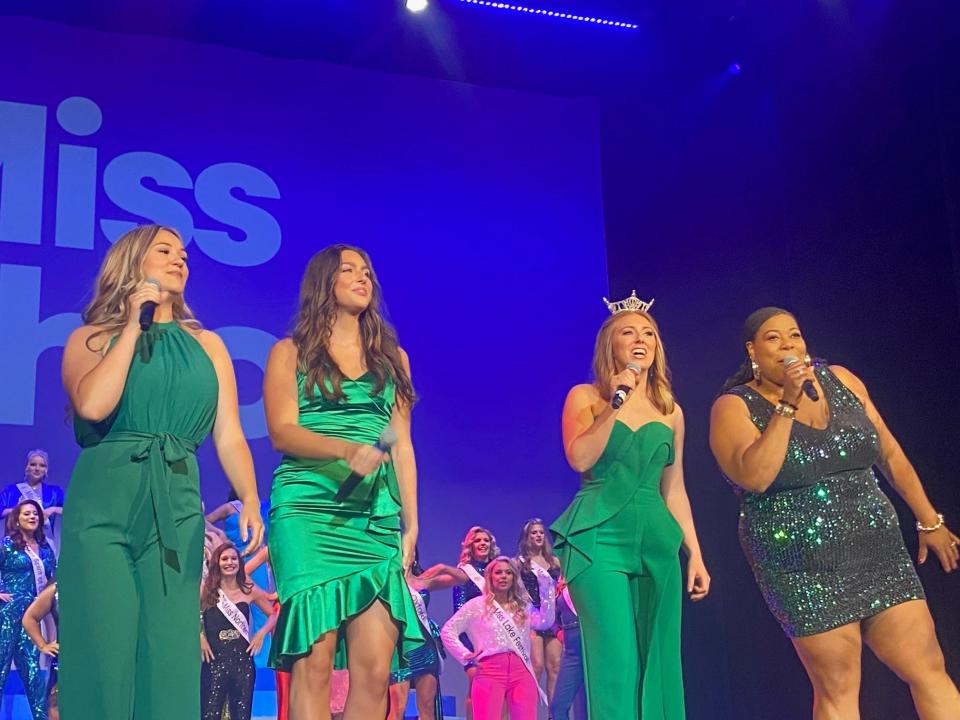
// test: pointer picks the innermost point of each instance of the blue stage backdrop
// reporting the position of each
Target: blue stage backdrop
(481, 209)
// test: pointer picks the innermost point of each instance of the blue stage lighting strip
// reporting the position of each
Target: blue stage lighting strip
(552, 13)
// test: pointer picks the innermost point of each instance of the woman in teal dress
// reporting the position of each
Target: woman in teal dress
(27, 563)
(330, 391)
(618, 540)
(143, 400)
(821, 536)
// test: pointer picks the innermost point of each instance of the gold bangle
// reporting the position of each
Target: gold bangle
(785, 409)
(932, 528)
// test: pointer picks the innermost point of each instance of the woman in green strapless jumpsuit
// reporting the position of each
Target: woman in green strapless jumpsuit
(339, 561)
(133, 528)
(618, 540)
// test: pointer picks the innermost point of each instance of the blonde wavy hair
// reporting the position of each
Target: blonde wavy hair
(119, 276)
(314, 325)
(466, 547)
(517, 597)
(659, 389)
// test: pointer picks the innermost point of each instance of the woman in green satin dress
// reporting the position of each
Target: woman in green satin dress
(132, 525)
(330, 390)
(619, 538)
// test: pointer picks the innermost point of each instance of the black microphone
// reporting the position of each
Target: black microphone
(808, 388)
(388, 439)
(622, 390)
(148, 308)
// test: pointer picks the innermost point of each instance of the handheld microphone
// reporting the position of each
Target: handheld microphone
(148, 308)
(387, 440)
(808, 389)
(622, 390)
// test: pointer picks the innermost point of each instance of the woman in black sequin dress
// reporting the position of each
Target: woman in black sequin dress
(227, 645)
(822, 538)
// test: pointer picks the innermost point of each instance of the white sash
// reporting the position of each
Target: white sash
(471, 572)
(421, 607)
(39, 573)
(28, 492)
(232, 613)
(509, 625)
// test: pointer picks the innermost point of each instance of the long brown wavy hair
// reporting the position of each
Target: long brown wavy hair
(119, 276)
(659, 389)
(13, 526)
(526, 550)
(314, 325)
(211, 585)
(466, 547)
(517, 597)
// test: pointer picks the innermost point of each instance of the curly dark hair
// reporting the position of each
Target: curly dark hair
(13, 526)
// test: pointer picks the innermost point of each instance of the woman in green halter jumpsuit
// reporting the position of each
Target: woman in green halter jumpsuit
(133, 528)
(330, 391)
(619, 538)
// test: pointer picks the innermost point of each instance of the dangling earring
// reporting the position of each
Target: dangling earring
(756, 370)
(808, 360)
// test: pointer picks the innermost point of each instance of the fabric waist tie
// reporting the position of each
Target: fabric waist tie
(156, 452)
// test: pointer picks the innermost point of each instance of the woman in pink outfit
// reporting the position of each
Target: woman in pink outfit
(499, 624)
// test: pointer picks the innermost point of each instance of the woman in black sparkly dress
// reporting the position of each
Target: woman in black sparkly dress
(822, 538)
(227, 645)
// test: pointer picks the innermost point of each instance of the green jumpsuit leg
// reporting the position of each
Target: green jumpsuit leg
(114, 574)
(628, 600)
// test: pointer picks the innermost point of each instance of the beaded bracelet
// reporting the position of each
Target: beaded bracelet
(932, 528)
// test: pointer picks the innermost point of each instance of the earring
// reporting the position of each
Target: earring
(808, 360)
(756, 370)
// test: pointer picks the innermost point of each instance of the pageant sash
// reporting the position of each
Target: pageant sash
(39, 573)
(28, 492)
(516, 636)
(471, 572)
(421, 607)
(232, 613)
(509, 626)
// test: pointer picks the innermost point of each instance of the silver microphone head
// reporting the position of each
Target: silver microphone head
(789, 360)
(153, 281)
(388, 437)
(636, 368)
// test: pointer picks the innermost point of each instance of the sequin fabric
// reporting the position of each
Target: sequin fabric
(16, 570)
(823, 540)
(474, 620)
(227, 680)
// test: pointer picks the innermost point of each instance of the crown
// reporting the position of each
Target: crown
(630, 304)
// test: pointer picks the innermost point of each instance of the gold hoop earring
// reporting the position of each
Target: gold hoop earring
(808, 360)
(756, 370)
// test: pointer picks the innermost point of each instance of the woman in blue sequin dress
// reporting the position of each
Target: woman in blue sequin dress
(27, 564)
(821, 537)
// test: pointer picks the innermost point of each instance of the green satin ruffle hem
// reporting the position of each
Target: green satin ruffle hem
(306, 616)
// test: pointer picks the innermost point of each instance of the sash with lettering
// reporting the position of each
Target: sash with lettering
(39, 573)
(421, 607)
(510, 627)
(232, 613)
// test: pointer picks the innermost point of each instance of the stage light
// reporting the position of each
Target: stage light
(417, 5)
(553, 14)
(735, 68)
